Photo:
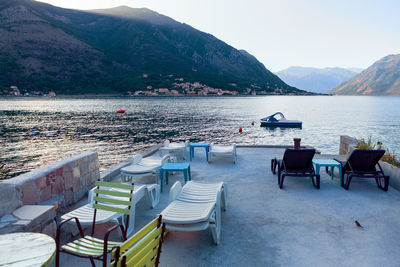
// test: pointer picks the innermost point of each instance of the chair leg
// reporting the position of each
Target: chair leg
(281, 181)
(317, 181)
(348, 181)
(273, 165)
(386, 183)
(327, 169)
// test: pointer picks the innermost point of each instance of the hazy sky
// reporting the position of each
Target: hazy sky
(284, 33)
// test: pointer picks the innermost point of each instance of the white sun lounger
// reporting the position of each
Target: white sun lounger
(195, 207)
(223, 151)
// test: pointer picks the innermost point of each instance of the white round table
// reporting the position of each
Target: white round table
(26, 249)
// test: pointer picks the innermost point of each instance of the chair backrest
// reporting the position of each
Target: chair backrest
(143, 248)
(166, 143)
(363, 160)
(298, 159)
(113, 197)
(136, 159)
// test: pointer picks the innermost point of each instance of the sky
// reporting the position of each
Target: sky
(284, 33)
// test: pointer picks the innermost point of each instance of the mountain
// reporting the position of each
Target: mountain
(382, 78)
(116, 50)
(314, 79)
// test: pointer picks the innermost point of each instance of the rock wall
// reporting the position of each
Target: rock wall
(61, 184)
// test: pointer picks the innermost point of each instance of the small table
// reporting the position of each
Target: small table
(328, 163)
(174, 166)
(193, 145)
(26, 249)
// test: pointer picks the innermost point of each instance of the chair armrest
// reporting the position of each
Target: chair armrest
(91, 195)
(340, 161)
(106, 236)
(174, 191)
(66, 220)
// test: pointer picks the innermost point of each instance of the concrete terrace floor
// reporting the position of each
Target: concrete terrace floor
(296, 226)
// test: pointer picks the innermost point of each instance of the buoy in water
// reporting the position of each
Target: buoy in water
(121, 111)
(240, 130)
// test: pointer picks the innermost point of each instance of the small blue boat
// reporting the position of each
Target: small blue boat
(279, 120)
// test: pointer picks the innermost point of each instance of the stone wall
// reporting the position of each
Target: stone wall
(347, 144)
(61, 184)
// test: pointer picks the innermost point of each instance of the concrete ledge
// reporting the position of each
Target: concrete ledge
(32, 218)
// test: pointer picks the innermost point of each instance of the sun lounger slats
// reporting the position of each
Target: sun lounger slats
(186, 213)
(196, 207)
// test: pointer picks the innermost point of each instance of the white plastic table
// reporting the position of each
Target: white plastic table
(26, 249)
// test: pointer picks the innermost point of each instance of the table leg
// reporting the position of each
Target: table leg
(185, 175)
(191, 153)
(340, 174)
(207, 150)
(190, 176)
(332, 172)
(317, 168)
(166, 177)
(161, 180)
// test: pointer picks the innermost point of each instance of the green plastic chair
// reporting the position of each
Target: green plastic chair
(142, 249)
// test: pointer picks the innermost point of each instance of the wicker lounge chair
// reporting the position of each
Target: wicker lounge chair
(142, 249)
(296, 163)
(362, 164)
(196, 207)
(222, 151)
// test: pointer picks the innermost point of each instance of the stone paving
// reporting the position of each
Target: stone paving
(296, 226)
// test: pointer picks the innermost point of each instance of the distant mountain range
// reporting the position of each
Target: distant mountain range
(116, 50)
(382, 78)
(315, 79)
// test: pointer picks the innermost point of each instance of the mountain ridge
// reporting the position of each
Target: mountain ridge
(318, 80)
(381, 78)
(72, 51)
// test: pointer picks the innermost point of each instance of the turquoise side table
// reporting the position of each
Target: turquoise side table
(193, 145)
(328, 163)
(174, 166)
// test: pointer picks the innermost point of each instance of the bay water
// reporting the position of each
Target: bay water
(35, 132)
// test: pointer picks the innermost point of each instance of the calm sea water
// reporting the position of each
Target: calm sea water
(35, 132)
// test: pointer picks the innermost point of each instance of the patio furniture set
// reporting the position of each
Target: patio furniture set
(193, 207)
(360, 164)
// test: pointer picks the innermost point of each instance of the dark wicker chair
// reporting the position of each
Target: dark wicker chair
(362, 163)
(296, 163)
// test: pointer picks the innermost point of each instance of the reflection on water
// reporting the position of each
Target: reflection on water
(36, 132)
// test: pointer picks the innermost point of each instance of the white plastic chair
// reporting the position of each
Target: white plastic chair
(143, 166)
(179, 150)
(222, 151)
(195, 207)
